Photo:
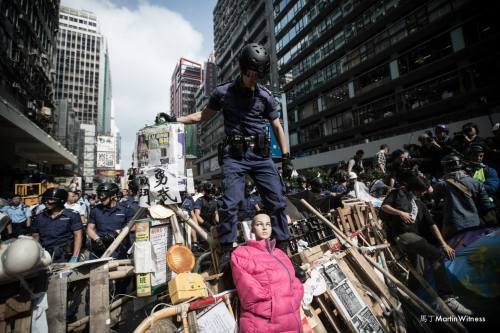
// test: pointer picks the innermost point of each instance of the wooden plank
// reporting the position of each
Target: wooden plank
(99, 299)
(350, 222)
(343, 221)
(365, 270)
(374, 306)
(57, 301)
(358, 217)
(22, 325)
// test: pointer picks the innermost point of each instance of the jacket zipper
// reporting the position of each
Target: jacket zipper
(268, 247)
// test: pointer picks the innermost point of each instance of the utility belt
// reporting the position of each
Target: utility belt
(239, 144)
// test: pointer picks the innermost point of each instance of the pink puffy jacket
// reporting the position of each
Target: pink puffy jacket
(268, 290)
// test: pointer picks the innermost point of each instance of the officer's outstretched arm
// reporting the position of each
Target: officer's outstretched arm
(280, 135)
(197, 117)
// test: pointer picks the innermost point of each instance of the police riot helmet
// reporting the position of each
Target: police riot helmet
(302, 179)
(107, 190)
(316, 184)
(58, 195)
(254, 57)
(451, 163)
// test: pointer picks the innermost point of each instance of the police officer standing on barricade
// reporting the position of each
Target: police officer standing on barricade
(58, 229)
(107, 219)
(247, 107)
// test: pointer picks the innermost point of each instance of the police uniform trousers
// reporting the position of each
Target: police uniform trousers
(269, 184)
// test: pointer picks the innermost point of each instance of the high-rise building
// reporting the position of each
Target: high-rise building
(236, 23)
(186, 80)
(28, 31)
(361, 73)
(202, 96)
(84, 79)
(83, 72)
(67, 129)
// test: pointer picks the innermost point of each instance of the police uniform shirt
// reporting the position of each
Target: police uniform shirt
(245, 111)
(109, 219)
(132, 205)
(17, 214)
(188, 204)
(56, 232)
(199, 204)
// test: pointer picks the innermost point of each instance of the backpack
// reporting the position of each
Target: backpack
(208, 210)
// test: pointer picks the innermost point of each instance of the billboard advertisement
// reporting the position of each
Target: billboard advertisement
(105, 159)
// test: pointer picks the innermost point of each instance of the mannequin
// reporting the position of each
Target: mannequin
(270, 294)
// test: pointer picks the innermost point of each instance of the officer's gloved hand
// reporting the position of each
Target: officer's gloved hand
(162, 118)
(99, 246)
(286, 166)
(73, 260)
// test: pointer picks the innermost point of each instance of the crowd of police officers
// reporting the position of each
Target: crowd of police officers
(64, 230)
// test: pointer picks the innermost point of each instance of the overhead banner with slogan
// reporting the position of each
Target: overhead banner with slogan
(163, 184)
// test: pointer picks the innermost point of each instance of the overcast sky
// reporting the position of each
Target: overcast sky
(146, 38)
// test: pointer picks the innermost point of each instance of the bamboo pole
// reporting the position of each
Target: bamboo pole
(123, 233)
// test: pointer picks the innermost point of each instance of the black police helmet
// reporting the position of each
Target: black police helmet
(317, 184)
(106, 190)
(451, 163)
(254, 57)
(302, 179)
(58, 195)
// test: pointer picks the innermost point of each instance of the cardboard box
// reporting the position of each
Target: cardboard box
(186, 285)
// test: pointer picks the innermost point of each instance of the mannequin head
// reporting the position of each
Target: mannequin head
(261, 226)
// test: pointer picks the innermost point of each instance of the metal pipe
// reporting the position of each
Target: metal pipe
(177, 309)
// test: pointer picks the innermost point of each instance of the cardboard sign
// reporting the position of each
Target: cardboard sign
(163, 185)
